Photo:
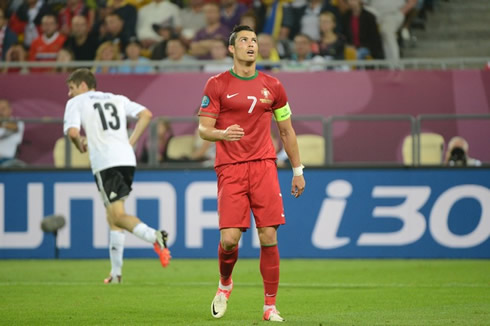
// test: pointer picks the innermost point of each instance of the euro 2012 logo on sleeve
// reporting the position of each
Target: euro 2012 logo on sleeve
(205, 101)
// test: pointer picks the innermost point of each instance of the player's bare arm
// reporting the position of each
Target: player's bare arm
(144, 118)
(79, 142)
(10, 125)
(288, 137)
(207, 131)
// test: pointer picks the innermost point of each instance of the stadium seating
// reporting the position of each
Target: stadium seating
(180, 146)
(431, 149)
(311, 149)
(78, 160)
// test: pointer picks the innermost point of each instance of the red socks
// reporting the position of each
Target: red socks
(227, 260)
(269, 268)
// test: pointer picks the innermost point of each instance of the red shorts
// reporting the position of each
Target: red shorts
(249, 186)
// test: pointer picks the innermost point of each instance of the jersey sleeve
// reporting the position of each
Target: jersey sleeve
(132, 108)
(280, 106)
(281, 98)
(210, 104)
(72, 118)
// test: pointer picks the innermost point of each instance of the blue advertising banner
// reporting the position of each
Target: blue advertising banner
(344, 213)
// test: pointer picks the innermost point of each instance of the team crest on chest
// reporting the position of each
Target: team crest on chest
(265, 93)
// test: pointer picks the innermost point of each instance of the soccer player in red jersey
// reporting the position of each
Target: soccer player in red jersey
(236, 112)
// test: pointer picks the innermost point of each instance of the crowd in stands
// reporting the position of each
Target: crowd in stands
(183, 31)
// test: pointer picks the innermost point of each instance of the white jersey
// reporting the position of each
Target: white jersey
(103, 117)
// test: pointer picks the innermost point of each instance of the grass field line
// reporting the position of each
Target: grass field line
(282, 285)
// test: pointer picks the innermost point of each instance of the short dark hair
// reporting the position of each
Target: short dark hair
(236, 30)
(82, 75)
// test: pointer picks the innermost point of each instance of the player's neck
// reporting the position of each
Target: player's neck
(244, 70)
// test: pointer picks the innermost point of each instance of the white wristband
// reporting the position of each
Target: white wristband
(298, 171)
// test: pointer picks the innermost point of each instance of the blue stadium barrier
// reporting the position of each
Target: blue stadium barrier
(344, 213)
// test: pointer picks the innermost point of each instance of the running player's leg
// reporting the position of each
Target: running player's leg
(116, 252)
(115, 185)
(134, 225)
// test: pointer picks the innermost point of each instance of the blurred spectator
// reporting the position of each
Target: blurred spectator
(331, 45)
(81, 42)
(177, 57)
(249, 19)
(7, 36)
(302, 16)
(115, 31)
(5, 6)
(64, 55)
(155, 12)
(457, 153)
(138, 3)
(164, 133)
(303, 58)
(310, 19)
(361, 30)
(47, 45)
(391, 15)
(133, 57)
(412, 20)
(267, 52)
(166, 32)
(128, 14)
(11, 134)
(342, 6)
(192, 18)
(221, 60)
(201, 44)
(269, 16)
(231, 12)
(16, 53)
(74, 8)
(106, 52)
(26, 21)
(291, 21)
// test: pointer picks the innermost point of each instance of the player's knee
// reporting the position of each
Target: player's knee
(118, 217)
(229, 242)
(267, 236)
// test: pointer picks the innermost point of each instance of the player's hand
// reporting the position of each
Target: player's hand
(233, 133)
(298, 186)
(83, 144)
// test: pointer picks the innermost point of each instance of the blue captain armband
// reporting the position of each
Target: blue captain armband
(283, 113)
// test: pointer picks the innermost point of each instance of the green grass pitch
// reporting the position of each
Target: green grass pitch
(311, 292)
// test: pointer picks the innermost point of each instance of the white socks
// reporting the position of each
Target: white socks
(144, 232)
(225, 287)
(267, 307)
(116, 250)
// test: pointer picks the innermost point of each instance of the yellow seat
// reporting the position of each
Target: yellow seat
(350, 53)
(78, 160)
(311, 149)
(180, 146)
(431, 149)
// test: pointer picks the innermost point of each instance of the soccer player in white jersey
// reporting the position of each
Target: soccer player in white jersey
(103, 117)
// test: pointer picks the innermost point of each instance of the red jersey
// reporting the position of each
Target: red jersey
(45, 49)
(248, 102)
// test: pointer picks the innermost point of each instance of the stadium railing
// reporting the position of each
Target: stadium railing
(402, 64)
(440, 117)
(326, 126)
(371, 117)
